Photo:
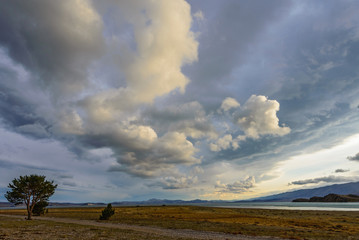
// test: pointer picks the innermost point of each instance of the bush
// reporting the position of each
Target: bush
(40, 208)
(107, 212)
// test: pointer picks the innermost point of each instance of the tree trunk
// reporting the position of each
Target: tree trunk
(29, 212)
(29, 215)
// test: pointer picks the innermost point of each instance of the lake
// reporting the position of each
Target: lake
(337, 206)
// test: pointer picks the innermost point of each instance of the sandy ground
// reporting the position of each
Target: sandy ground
(173, 233)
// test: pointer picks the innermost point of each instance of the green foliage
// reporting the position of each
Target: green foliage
(40, 208)
(107, 212)
(30, 190)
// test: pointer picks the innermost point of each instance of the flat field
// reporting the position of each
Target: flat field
(293, 224)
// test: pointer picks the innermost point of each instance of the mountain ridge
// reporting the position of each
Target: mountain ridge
(340, 189)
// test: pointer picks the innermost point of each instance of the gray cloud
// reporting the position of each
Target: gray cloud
(328, 179)
(236, 187)
(8, 164)
(354, 158)
(339, 170)
(217, 59)
(56, 52)
(70, 184)
(176, 182)
(53, 41)
(189, 118)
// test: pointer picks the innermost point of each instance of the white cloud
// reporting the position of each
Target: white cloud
(224, 143)
(229, 103)
(164, 42)
(258, 116)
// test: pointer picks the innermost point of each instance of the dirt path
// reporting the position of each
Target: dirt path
(180, 233)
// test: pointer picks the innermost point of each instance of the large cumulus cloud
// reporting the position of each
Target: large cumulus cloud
(259, 117)
(56, 48)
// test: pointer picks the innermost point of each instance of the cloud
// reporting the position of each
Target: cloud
(339, 170)
(258, 116)
(224, 143)
(156, 156)
(58, 56)
(199, 16)
(34, 32)
(69, 184)
(150, 63)
(131, 79)
(328, 179)
(236, 187)
(229, 103)
(177, 182)
(10, 164)
(189, 118)
(354, 158)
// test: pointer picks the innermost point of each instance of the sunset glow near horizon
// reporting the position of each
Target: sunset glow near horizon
(175, 99)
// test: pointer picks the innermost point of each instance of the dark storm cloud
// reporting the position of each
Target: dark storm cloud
(20, 116)
(354, 158)
(339, 170)
(53, 40)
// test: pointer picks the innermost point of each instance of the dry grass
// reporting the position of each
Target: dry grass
(256, 222)
(11, 228)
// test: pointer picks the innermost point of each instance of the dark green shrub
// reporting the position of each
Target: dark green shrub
(107, 212)
(40, 208)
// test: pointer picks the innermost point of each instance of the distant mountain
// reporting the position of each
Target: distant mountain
(341, 189)
(5, 204)
(155, 201)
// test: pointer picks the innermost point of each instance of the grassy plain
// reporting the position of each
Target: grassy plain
(256, 222)
(12, 228)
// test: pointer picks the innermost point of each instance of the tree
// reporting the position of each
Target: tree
(30, 190)
(107, 212)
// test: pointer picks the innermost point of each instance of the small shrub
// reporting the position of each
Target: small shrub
(40, 208)
(107, 212)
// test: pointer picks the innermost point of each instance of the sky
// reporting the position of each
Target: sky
(174, 99)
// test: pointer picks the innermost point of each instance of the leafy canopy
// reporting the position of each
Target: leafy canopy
(30, 190)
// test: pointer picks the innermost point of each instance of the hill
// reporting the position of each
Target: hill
(330, 198)
(340, 189)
